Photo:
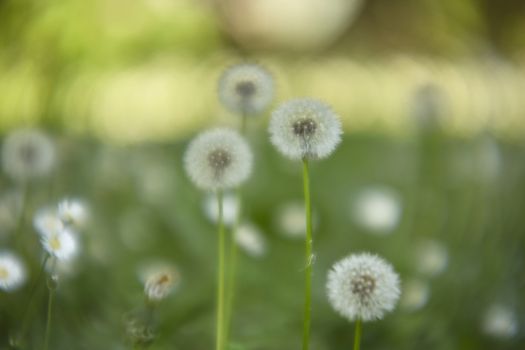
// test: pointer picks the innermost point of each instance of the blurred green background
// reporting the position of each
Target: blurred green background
(122, 86)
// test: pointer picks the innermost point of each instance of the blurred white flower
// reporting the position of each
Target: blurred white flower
(290, 219)
(251, 239)
(218, 159)
(305, 128)
(363, 286)
(62, 245)
(415, 295)
(73, 212)
(230, 208)
(10, 207)
(159, 279)
(12, 272)
(500, 321)
(431, 257)
(28, 154)
(377, 209)
(246, 89)
(47, 222)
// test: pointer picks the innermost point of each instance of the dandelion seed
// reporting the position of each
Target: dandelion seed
(159, 284)
(305, 129)
(415, 295)
(62, 245)
(500, 322)
(246, 89)
(73, 212)
(12, 272)
(363, 287)
(218, 159)
(377, 209)
(250, 238)
(28, 154)
(431, 257)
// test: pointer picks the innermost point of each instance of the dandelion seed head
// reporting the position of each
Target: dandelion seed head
(305, 128)
(73, 212)
(160, 283)
(246, 89)
(377, 209)
(218, 159)
(363, 286)
(28, 154)
(12, 272)
(62, 245)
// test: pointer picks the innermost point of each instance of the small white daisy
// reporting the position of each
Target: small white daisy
(46, 222)
(250, 238)
(12, 272)
(363, 286)
(246, 89)
(377, 209)
(218, 159)
(73, 212)
(230, 208)
(160, 283)
(305, 129)
(500, 321)
(28, 154)
(62, 245)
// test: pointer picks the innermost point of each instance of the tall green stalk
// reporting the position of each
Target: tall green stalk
(357, 335)
(220, 336)
(49, 309)
(308, 258)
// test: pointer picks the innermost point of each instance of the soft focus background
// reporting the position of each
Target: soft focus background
(430, 174)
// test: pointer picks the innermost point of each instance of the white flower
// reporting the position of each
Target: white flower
(160, 283)
(230, 208)
(28, 154)
(62, 245)
(377, 210)
(500, 321)
(431, 257)
(251, 240)
(73, 212)
(415, 294)
(246, 89)
(47, 222)
(218, 159)
(305, 128)
(363, 286)
(291, 220)
(12, 272)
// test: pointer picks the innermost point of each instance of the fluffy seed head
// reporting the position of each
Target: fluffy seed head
(218, 159)
(363, 286)
(159, 284)
(12, 272)
(62, 245)
(305, 128)
(377, 209)
(246, 89)
(28, 154)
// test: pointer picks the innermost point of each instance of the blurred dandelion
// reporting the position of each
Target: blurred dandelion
(160, 283)
(28, 154)
(415, 295)
(12, 272)
(431, 257)
(230, 203)
(251, 239)
(377, 209)
(246, 89)
(500, 321)
(290, 219)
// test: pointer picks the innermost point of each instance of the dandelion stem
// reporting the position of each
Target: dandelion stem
(244, 123)
(308, 258)
(220, 341)
(48, 322)
(357, 336)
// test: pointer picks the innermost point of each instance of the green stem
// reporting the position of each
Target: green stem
(220, 341)
(244, 123)
(48, 322)
(22, 216)
(308, 258)
(357, 336)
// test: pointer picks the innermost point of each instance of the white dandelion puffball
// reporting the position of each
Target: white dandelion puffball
(305, 129)
(431, 257)
(415, 295)
(218, 159)
(378, 210)
(12, 272)
(230, 208)
(62, 245)
(250, 238)
(500, 321)
(160, 283)
(246, 89)
(73, 212)
(363, 286)
(28, 154)
(46, 222)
